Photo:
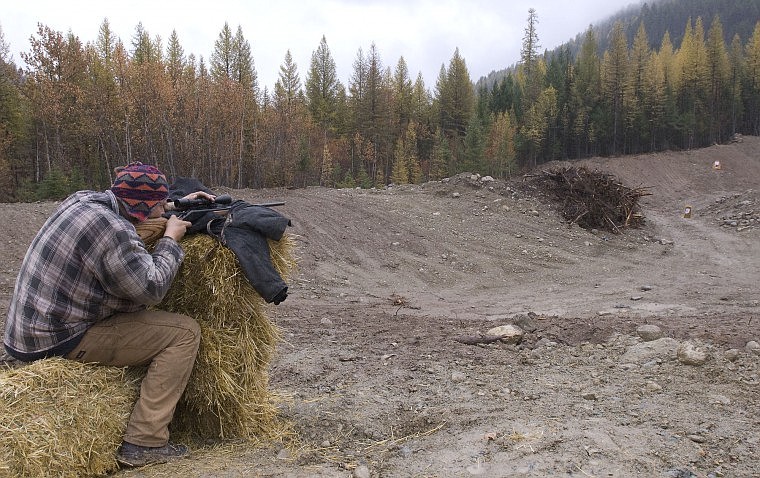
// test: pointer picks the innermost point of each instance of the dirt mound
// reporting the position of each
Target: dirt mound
(375, 383)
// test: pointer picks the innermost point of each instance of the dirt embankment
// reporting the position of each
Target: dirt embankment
(376, 384)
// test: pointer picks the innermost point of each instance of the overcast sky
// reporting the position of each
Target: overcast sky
(488, 33)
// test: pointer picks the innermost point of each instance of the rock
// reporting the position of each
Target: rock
(689, 354)
(589, 395)
(753, 347)
(679, 473)
(325, 321)
(510, 334)
(644, 352)
(646, 288)
(731, 354)
(653, 386)
(697, 438)
(649, 332)
(361, 471)
(457, 377)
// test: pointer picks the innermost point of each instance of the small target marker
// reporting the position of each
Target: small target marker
(687, 212)
(716, 165)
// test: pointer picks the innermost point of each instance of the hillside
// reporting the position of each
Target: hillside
(738, 17)
(376, 383)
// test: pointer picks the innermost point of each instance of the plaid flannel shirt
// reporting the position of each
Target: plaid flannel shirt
(86, 264)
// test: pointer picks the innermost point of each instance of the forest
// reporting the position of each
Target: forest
(75, 111)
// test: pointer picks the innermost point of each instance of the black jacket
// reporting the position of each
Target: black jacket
(245, 231)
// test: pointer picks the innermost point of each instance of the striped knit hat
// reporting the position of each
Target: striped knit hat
(140, 187)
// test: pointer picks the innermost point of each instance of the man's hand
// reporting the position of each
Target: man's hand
(200, 194)
(176, 228)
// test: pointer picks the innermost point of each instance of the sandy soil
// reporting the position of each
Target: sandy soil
(377, 382)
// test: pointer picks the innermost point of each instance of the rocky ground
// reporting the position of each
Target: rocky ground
(638, 354)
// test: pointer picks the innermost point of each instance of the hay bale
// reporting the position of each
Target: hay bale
(63, 418)
(227, 395)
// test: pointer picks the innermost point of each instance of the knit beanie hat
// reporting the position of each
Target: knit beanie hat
(140, 187)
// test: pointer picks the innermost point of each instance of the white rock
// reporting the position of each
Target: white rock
(509, 333)
(753, 347)
(690, 354)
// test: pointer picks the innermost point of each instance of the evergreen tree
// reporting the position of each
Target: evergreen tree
(753, 82)
(653, 102)
(736, 76)
(718, 77)
(322, 88)
(440, 158)
(327, 171)
(357, 89)
(421, 102)
(529, 57)
(456, 97)
(223, 58)
(474, 146)
(614, 73)
(287, 89)
(144, 50)
(693, 84)
(586, 96)
(175, 58)
(244, 71)
(635, 96)
(402, 97)
(399, 172)
(371, 109)
(537, 121)
(500, 149)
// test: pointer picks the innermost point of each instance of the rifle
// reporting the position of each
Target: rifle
(193, 209)
(151, 230)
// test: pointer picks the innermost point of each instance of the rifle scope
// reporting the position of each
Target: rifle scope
(191, 203)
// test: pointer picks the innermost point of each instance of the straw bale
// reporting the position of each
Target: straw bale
(227, 395)
(60, 418)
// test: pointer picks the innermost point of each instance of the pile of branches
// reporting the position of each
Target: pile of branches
(593, 199)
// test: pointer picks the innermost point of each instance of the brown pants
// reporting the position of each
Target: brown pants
(167, 343)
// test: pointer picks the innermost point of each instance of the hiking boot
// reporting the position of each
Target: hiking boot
(136, 455)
